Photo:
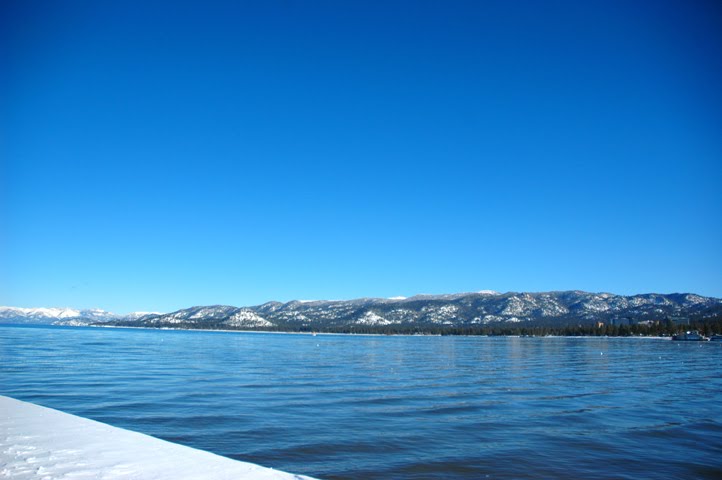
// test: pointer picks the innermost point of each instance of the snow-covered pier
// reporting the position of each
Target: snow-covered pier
(41, 443)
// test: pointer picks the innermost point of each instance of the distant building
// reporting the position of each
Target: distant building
(649, 322)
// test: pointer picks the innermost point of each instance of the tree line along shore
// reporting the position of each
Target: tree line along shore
(663, 328)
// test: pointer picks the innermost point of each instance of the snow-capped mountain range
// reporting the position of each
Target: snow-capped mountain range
(63, 316)
(453, 310)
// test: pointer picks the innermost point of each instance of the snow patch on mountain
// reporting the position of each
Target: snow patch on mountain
(371, 318)
(247, 318)
(38, 313)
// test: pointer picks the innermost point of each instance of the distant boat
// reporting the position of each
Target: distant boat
(690, 336)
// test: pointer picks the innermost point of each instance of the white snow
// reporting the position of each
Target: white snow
(371, 318)
(514, 306)
(399, 315)
(397, 298)
(38, 315)
(41, 443)
(299, 317)
(72, 323)
(40, 312)
(491, 318)
(206, 312)
(439, 314)
(247, 318)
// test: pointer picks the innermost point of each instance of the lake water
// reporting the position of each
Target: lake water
(369, 407)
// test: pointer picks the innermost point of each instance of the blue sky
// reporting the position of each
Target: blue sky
(158, 155)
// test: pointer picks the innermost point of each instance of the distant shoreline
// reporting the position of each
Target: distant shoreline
(649, 337)
(257, 331)
(643, 337)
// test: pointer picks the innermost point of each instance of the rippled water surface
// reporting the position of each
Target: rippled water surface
(367, 407)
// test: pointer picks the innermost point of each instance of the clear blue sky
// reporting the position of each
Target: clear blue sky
(158, 155)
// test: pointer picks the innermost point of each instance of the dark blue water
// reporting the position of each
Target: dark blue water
(391, 407)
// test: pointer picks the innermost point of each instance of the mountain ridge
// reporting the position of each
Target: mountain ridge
(62, 315)
(420, 312)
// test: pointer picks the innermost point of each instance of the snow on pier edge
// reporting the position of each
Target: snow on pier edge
(41, 443)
